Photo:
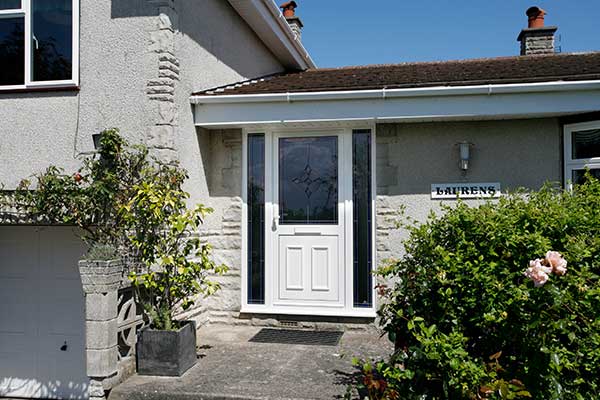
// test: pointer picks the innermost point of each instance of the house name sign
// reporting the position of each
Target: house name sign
(453, 191)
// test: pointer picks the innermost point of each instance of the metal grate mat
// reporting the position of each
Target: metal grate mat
(294, 336)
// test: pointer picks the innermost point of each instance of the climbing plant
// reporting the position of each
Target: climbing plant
(123, 199)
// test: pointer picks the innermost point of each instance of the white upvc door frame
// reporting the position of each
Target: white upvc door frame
(270, 134)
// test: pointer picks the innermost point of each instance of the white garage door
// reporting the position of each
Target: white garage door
(42, 324)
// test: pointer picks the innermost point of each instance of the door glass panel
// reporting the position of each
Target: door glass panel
(256, 219)
(10, 4)
(52, 39)
(362, 218)
(12, 51)
(308, 180)
(586, 144)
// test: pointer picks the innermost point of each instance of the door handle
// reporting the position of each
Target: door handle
(275, 222)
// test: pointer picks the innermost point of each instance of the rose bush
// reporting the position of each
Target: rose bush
(475, 313)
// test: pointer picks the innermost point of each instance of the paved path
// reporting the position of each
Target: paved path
(230, 367)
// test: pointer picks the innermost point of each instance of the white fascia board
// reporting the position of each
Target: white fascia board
(434, 91)
(272, 28)
(458, 103)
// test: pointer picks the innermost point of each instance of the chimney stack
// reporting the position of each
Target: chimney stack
(289, 12)
(537, 38)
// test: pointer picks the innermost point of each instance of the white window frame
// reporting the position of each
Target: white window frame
(572, 164)
(25, 12)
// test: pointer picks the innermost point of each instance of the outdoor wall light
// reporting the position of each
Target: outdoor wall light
(464, 150)
(96, 138)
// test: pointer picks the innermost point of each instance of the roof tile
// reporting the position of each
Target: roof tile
(519, 69)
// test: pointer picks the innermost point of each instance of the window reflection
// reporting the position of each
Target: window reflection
(12, 51)
(308, 180)
(586, 144)
(52, 39)
(256, 219)
(10, 4)
(579, 175)
(362, 218)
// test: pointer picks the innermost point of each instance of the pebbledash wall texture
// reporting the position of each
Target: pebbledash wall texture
(139, 62)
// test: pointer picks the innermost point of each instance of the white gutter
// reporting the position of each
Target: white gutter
(437, 91)
(272, 28)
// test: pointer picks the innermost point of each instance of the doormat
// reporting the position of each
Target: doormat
(293, 336)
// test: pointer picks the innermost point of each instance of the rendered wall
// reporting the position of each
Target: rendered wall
(140, 60)
(410, 157)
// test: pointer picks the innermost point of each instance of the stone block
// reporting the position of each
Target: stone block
(168, 65)
(226, 243)
(96, 389)
(160, 90)
(102, 363)
(231, 258)
(265, 322)
(101, 334)
(161, 137)
(166, 112)
(162, 41)
(101, 306)
(225, 300)
(164, 155)
(101, 276)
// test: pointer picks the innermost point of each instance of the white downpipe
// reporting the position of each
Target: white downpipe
(489, 90)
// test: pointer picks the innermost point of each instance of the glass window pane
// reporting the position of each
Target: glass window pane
(308, 180)
(586, 144)
(10, 4)
(579, 175)
(256, 219)
(362, 206)
(52, 40)
(12, 51)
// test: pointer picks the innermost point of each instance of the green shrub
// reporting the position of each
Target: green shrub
(132, 206)
(467, 317)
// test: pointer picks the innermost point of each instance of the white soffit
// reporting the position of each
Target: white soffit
(400, 105)
(271, 27)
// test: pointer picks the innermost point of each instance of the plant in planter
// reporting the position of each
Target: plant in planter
(128, 206)
(176, 269)
(101, 270)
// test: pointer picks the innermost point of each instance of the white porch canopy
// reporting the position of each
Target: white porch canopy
(502, 101)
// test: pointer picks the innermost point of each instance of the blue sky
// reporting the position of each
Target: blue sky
(355, 32)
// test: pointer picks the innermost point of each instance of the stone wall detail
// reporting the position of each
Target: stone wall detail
(160, 90)
(101, 281)
(227, 249)
(387, 172)
(387, 216)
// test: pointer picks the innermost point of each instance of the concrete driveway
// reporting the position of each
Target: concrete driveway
(230, 367)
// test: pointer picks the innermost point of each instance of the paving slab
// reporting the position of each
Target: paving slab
(230, 367)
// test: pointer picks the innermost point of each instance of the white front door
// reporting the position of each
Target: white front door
(310, 192)
(42, 336)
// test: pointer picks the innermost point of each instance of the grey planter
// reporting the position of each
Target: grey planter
(101, 276)
(166, 353)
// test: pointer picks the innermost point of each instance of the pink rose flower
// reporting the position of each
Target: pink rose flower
(537, 272)
(556, 261)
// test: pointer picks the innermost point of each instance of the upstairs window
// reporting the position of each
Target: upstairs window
(582, 151)
(38, 43)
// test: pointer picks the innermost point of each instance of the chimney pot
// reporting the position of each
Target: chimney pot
(289, 12)
(289, 9)
(536, 17)
(537, 38)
